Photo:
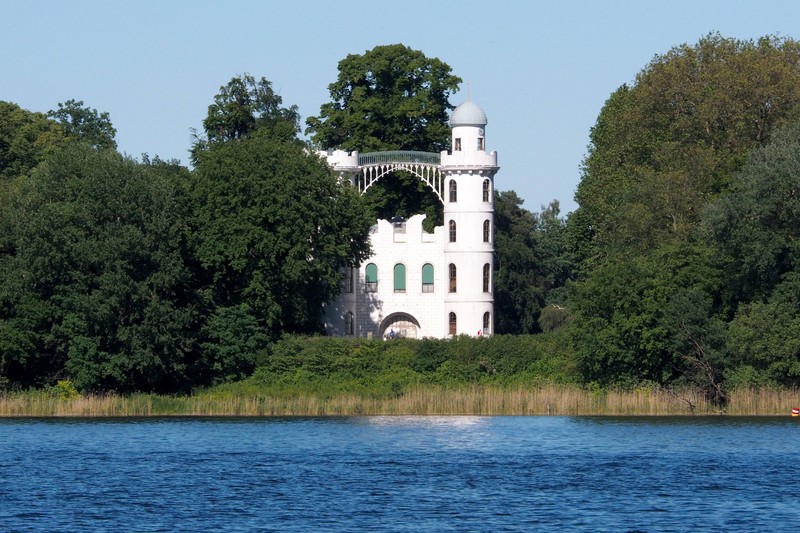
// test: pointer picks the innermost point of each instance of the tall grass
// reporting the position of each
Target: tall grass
(417, 400)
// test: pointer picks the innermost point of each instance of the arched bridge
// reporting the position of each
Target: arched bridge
(424, 165)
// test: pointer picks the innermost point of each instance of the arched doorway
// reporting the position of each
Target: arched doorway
(399, 325)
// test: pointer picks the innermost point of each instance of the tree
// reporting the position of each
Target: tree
(85, 124)
(273, 227)
(640, 320)
(519, 295)
(26, 138)
(764, 338)
(531, 260)
(390, 98)
(665, 147)
(755, 233)
(649, 303)
(92, 278)
(245, 105)
(754, 226)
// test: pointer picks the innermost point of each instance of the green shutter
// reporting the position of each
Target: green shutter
(427, 274)
(399, 278)
(371, 273)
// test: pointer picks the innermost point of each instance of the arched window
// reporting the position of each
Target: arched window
(427, 277)
(371, 278)
(453, 191)
(487, 273)
(348, 323)
(452, 231)
(452, 277)
(487, 323)
(486, 190)
(487, 230)
(452, 323)
(399, 278)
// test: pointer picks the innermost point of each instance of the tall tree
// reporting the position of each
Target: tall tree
(92, 278)
(661, 151)
(755, 232)
(666, 146)
(273, 228)
(85, 124)
(26, 138)
(241, 107)
(390, 98)
(531, 260)
(755, 225)
(519, 295)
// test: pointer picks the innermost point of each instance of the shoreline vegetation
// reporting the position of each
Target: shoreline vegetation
(555, 400)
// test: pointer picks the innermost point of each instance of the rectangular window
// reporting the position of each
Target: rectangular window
(457, 146)
(480, 143)
(347, 280)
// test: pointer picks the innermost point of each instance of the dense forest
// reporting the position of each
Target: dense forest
(681, 265)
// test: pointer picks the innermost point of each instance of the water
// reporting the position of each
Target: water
(400, 474)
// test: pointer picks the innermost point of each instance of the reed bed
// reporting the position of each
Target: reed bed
(420, 400)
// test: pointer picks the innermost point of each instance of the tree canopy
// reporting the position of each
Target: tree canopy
(685, 231)
(241, 107)
(666, 146)
(86, 124)
(273, 227)
(26, 138)
(92, 279)
(389, 98)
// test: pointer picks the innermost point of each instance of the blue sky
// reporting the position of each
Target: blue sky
(541, 70)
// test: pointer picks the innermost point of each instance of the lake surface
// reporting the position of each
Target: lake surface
(400, 474)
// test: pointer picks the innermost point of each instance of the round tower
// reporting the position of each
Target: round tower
(469, 224)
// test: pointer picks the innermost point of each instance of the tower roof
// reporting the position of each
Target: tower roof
(468, 114)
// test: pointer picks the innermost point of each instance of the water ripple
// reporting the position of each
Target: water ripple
(399, 474)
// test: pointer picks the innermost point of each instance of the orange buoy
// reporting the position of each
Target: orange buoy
(796, 411)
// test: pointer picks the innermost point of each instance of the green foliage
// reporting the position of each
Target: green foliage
(65, 390)
(272, 227)
(245, 105)
(634, 318)
(531, 259)
(232, 340)
(755, 226)
(298, 365)
(93, 282)
(765, 337)
(666, 146)
(390, 98)
(26, 138)
(85, 124)
(519, 295)
(676, 234)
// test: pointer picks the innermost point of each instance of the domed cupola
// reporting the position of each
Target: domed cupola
(468, 114)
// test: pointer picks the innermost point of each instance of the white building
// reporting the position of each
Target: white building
(419, 284)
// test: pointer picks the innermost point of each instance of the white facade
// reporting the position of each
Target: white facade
(419, 284)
